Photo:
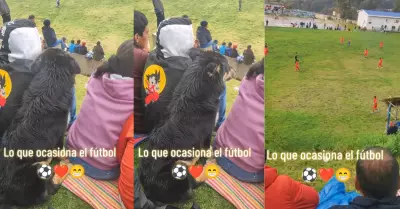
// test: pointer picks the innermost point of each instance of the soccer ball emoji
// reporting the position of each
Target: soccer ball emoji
(179, 171)
(309, 174)
(45, 172)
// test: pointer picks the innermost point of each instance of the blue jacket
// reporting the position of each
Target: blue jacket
(71, 48)
(334, 193)
(77, 48)
(228, 51)
(222, 50)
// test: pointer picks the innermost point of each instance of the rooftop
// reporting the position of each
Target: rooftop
(382, 14)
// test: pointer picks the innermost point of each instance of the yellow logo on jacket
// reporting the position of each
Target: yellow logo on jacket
(5, 87)
(154, 81)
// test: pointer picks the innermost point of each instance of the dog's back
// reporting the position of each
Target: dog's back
(39, 124)
(192, 113)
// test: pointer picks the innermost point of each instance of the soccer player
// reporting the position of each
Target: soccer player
(342, 40)
(380, 63)
(295, 58)
(266, 50)
(297, 65)
(349, 42)
(381, 44)
(366, 53)
(375, 107)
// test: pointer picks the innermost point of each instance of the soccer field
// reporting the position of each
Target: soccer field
(326, 106)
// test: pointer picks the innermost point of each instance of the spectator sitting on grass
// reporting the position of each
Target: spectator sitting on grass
(83, 50)
(64, 44)
(204, 35)
(234, 51)
(71, 48)
(377, 181)
(248, 56)
(78, 47)
(228, 51)
(49, 34)
(222, 49)
(98, 52)
(215, 47)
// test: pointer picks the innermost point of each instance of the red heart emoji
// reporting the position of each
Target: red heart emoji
(326, 174)
(61, 170)
(195, 171)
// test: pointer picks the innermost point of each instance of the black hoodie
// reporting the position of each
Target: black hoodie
(16, 73)
(165, 67)
(369, 203)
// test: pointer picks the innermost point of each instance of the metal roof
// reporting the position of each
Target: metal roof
(382, 14)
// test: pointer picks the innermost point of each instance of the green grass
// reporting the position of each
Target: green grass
(327, 105)
(110, 22)
(224, 21)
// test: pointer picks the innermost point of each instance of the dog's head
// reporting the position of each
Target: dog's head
(213, 66)
(54, 59)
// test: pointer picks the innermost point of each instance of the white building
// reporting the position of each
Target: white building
(376, 19)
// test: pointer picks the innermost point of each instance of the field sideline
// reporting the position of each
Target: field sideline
(327, 105)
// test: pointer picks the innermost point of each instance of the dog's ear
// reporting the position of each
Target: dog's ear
(212, 69)
(195, 53)
(74, 66)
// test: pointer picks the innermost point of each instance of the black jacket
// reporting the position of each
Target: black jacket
(49, 35)
(203, 35)
(173, 62)
(369, 203)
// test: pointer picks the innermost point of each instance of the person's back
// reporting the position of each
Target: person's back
(105, 108)
(48, 33)
(244, 126)
(78, 47)
(15, 74)
(165, 67)
(222, 49)
(98, 52)
(203, 35)
(248, 56)
(71, 48)
(83, 49)
(235, 53)
(377, 180)
(228, 50)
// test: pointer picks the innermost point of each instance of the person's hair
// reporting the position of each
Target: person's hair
(98, 43)
(140, 23)
(72, 41)
(215, 41)
(83, 43)
(230, 44)
(185, 16)
(256, 69)
(204, 23)
(63, 38)
(223, 43)
(46, 23)
(378, 178)
(78, 41)
(374, 96)
(31, 17)
(266, 45)
(249, 47)
(121, 63)
(235, 46)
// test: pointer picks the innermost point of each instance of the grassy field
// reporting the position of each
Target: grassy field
(226, 24)
(110, 22)
(327, 105)
(224, 20)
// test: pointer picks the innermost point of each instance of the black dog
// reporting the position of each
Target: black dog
(39, 124)
(190, 121)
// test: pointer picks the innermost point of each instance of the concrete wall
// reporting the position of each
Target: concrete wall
(87, 66)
